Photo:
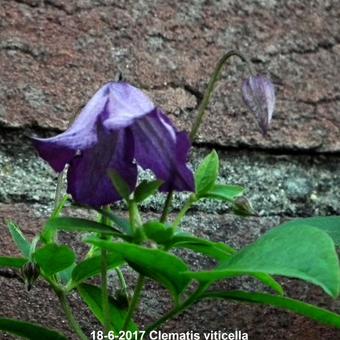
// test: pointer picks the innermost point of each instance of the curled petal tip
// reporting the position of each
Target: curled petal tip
(259, 96)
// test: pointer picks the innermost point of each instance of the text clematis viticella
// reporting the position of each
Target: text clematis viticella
(119, 128)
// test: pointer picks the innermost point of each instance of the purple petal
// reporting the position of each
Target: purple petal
(259, 96)
(59, 150)
(164, 150)
(88, 182)
(126, 103)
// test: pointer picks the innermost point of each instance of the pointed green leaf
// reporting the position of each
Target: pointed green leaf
(12, 262)
(217, 250)
(92, 296)
(301, 252)
(28, 330)
(146, 189)
(92, 266)
(53, 258)
(81, 225)
(225, 192)
(19, 239)
(313, 312)
(206, 174)
(157, 264)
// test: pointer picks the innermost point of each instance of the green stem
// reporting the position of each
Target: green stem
(167, 206)
(181, 214)
(211, 85)
(105, 293)
(122, 282)
(68, 313)
(134, 217)
(57, 197)
(178, 309)
(134, 302)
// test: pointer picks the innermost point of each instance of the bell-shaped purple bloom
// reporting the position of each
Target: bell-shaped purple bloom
(118, 128)
(259, 95)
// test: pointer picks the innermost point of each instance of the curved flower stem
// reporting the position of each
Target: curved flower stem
(178, 309)
(134, 302)
(211, 85)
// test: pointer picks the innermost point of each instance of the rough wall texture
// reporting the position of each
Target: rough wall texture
(55, 53)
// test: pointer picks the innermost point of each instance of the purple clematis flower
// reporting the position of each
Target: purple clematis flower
(259, 96)
(118, 128)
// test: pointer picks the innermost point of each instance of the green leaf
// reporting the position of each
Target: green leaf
(270, 282)
(81, 225)
(33, 246)
(28, 330)
(313, 312)
(92, 266)
(122, 223)
(53, 258)
(216, 250)
(225, 192)
(157, 264)
(329, 224)
(158, 231)
(19, 239)
(119, 184)
(66, 274)
(92, 296)
(305, 252)
(206, 174)
(12, 262)
(146, 189)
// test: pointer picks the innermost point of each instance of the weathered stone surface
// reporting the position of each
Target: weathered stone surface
(276, 184)
(55, 54)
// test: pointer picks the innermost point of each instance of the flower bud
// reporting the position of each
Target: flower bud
(259, 95)
(30, 272)
(243, 207)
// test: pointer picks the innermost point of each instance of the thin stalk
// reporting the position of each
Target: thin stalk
(178, 309)
(211, 85)
(134, 302)
(105, 292)
(183, 211)
(122, 282)
(68, 313)
(167, 206)
(57, 197)
(134, 217)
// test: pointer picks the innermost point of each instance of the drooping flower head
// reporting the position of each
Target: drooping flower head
(259, 95)
(118, 128)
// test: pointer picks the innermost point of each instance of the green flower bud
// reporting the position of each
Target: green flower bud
(243, 207)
